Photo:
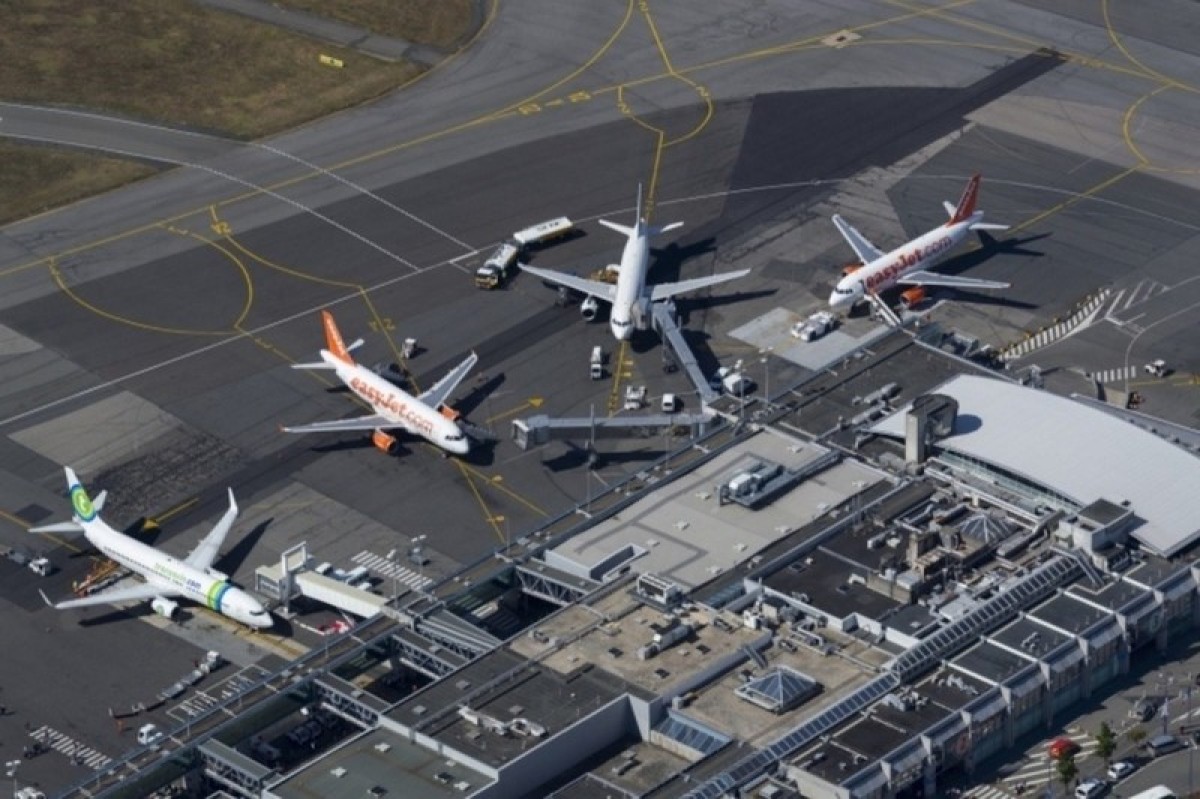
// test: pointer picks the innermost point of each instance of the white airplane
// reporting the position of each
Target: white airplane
(630, 297)
(394, 408)
(166, 577)
(905, 265)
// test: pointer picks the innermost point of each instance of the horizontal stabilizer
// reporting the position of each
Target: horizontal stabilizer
(320, 365)
(656, 230)
(66, 528)
(988, 226)
(624, 230)
(949, 206)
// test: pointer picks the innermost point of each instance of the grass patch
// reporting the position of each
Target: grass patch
(181, 64)
(442, 23)
(36, 179)
(176, 62)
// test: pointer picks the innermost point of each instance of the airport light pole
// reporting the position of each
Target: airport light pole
(765, 355)
(415, 555)
(391, 558)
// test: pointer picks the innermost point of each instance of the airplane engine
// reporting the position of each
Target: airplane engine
(385, 442)
(641, 314)
(589, 308)
(912, 296)
(164, 607)
(851, 268)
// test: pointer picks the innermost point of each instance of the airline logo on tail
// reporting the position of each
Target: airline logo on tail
(966, 203)
(333, 339)
(82, 503)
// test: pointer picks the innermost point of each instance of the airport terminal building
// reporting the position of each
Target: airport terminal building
(814, 603)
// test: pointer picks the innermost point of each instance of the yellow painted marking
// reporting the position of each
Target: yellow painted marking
(330, 61)
(487, 512)
(619, 371)
(175, 511)
(1104, 184)
(532, 402)
(497, 484)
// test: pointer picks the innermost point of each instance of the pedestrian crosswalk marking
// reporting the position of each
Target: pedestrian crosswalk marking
(71, 748)
(392, 570)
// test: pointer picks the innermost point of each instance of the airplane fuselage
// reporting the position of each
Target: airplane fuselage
(884, 272)
(631, 284)
(174, 576)
(398, 406)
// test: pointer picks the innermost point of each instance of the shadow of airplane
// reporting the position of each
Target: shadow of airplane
(479, 392)
(232, 559)
(666, 261)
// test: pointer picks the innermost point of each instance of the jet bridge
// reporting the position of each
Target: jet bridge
(537, 430)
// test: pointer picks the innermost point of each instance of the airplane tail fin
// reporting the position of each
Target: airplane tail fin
(966, 203)
(333, 339)
(83, 507)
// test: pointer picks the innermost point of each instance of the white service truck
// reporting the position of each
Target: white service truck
(596, 365)
(499, 265)
(495, 269)
(814, 326)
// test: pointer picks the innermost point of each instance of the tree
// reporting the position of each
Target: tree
(1106, 743)
(1067, 770)
(1137, 735)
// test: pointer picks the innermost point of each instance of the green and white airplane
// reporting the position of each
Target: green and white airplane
(167, 578)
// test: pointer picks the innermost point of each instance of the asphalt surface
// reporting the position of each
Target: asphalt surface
(196, 290)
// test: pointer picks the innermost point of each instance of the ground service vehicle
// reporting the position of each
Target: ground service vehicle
(543, 232)
(814, 326)
(495, 269)
(596, 366)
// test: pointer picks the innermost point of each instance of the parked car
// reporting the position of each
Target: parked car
(1161, 745)
(1091, 788)
(1121, 769)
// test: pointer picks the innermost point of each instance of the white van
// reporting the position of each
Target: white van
(148, 734)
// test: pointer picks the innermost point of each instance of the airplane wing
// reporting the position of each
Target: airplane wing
(443, 388)
(206, 551)
(923, 278)
(865, 250)
(133, 593)
(593, 288)
(663, 291)
(372, 422)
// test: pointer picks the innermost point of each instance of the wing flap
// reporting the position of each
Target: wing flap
(923, 278)
(863, 248)
(593, 288)
(664, 291)
(372, 422)
(443, 388)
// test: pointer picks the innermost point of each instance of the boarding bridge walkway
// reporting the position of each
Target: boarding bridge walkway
(667, 324)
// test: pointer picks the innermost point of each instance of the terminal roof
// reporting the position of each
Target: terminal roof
(1077, 451)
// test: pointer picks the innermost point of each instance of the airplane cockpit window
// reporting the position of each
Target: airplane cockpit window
(619, 323)
(455, 437)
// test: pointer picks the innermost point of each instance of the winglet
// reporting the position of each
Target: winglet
(233, 506)
(333, 339)
(45, 598)
(966, 203)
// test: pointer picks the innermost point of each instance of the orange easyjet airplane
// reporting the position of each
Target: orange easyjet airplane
(395, 409)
